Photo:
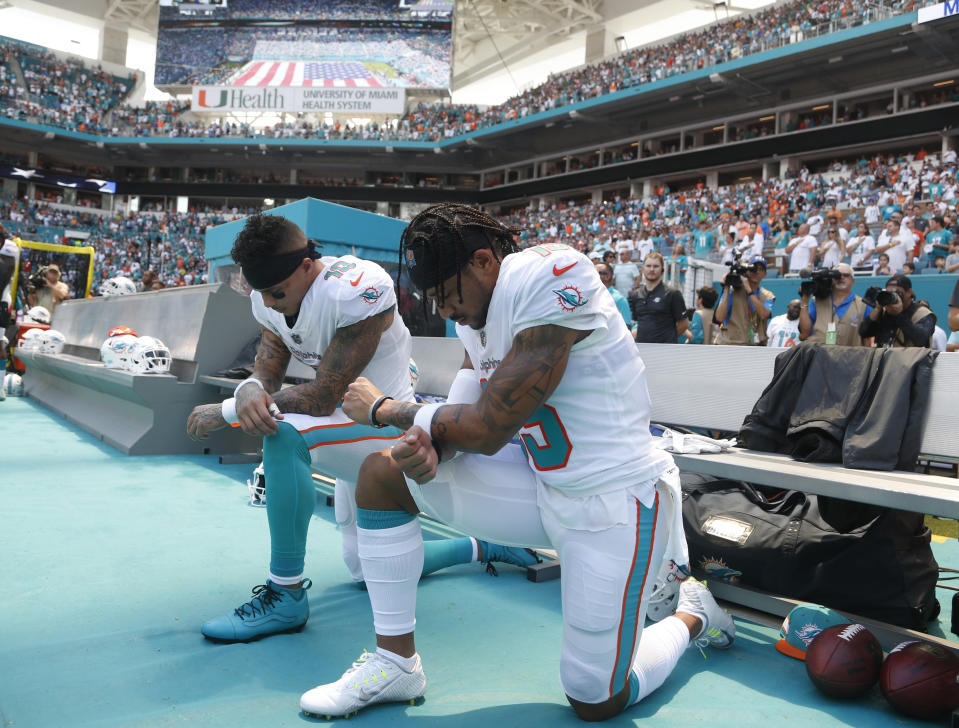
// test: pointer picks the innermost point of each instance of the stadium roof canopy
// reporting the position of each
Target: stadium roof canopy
(499, 37)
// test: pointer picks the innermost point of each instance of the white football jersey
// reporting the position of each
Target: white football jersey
(592, 434)
(345, 292)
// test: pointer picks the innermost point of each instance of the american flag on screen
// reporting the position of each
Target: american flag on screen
(306, 73)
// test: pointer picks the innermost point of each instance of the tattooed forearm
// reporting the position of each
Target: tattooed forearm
(272, 359)
(524, 380)
(348, 354)
(398, 414)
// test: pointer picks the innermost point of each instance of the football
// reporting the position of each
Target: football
(844, 660)
(921, 679)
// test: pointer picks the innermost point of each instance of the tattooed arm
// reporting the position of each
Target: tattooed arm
(348, 354)
(524, 380)
(252, 403)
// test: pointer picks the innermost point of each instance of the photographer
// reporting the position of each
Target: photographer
(46, 288)
(744, 306)
(896, 319)
(830, 291)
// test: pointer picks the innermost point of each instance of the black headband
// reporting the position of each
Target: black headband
(275, 269)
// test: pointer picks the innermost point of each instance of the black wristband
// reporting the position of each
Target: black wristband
(375, 406)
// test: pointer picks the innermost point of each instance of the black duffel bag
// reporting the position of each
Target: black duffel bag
(869, 560)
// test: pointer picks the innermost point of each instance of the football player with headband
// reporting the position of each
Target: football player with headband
(336, 315)
(548, 358)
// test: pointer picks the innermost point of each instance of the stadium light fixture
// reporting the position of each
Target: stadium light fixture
(821, 107)
(718, 128)
(944, 83)
(767, 118)
(269, 201)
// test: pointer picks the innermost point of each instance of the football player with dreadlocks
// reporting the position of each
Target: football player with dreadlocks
(336, 315)
(549, 358)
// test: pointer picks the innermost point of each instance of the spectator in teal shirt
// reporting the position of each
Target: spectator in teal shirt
(939, 238)
(606, 276)
(705, 241)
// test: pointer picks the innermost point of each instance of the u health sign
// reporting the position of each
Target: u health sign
(309, 99)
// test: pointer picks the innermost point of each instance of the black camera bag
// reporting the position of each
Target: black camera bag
(864, 559)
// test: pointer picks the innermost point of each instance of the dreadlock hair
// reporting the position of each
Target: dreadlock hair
(451, 232)
(263, 236)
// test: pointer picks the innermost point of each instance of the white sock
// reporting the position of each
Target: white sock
(285, 580)
(406, 664)
(392, 560)
(660, 647)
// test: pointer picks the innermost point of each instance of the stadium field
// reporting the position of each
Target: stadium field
(113, 562)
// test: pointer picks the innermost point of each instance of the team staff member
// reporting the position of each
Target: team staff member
(337, 316)
(658, 310)
(904, 323)
(844, 312)
(544, 337)
(742, 312)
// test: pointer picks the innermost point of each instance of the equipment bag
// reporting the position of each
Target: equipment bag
(872, 561)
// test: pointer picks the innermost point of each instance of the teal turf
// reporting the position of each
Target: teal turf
(111, 564)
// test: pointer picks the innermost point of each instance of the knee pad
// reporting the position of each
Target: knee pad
(592, 591)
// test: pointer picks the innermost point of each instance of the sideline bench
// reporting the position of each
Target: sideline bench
(204, 327)
(715, 387)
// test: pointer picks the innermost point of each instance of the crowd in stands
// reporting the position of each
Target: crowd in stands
(725, 40)
(910, 190)
(712, 224)
(167, 243)
(59, 92)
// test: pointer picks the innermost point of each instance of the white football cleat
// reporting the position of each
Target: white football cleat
(719, 629)
(372, 679)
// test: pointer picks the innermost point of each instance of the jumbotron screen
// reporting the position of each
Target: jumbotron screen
(261, 43)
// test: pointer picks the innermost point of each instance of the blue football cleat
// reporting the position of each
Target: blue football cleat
(506, 554)
(273, 610)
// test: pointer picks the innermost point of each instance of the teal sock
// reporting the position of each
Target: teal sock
(446, 552)
(290, 500)
(633, 688)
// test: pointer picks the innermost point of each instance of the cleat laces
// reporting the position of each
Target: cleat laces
(264, 596)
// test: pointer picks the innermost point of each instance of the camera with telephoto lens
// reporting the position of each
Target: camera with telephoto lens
(736, 272)
(876, 296)
(37, 280)
(818, 283)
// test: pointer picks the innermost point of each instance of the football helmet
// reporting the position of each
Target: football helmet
(149, 356)
(115, 351)
(38, 315)
(30, 339)
(117, 286)
(121, 331)
(257, 488)
(13, 385)
(51, 341)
